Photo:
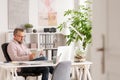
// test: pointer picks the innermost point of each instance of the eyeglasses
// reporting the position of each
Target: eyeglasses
(20, 36)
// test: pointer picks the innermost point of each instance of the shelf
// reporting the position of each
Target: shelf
(47, 41)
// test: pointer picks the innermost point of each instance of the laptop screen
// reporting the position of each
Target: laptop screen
(64, 53)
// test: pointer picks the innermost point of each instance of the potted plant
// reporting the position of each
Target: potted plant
(80, 27)
(28, 27)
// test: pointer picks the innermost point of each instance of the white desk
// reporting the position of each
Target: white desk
(12, 67)
(81, 68)
(2, 71)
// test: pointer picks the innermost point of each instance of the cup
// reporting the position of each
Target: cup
(37, 54)
(54, 59)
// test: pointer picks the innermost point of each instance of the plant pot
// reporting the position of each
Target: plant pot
(28, 30)
(79, 59)
(79, 55)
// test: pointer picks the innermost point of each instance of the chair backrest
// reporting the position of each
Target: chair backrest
(62, 71)
(64, 53)
(4, 49)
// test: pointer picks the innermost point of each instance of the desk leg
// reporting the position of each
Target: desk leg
(9, 76)
(3, 74)
(85, 73)
(76, 73)
(81, 73)
(88, 72)
(14, 74)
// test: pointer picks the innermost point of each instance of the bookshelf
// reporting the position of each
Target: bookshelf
(47, 41)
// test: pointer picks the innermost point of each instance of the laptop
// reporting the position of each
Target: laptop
(65, 53)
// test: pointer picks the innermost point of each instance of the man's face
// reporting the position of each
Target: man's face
(19, 36)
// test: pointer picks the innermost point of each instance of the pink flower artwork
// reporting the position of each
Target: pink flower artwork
(47, 14)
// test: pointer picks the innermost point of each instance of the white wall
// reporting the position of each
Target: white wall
(3, 24)
(33, 12)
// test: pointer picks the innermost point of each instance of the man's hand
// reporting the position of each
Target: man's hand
(32, 56)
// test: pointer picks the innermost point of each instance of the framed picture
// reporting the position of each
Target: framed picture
(47, 14)
(18, 13)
